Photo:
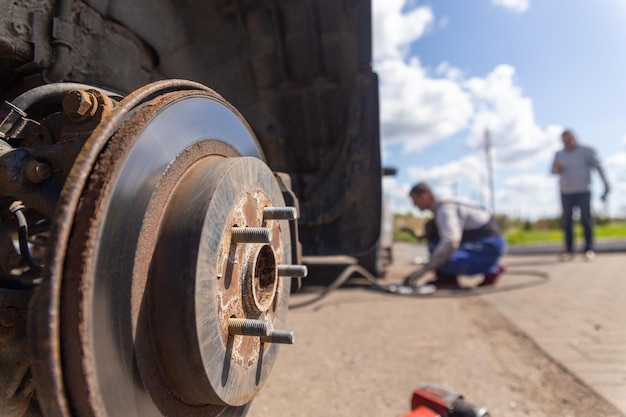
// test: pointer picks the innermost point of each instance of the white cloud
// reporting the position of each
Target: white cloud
(448, 173)
(502, 109)
(395, 29)
(615, 168)
(418, 109)
(617, 160)
(529, 196)
(463, 178)
(421, 110)
(519, 6)
(448, 71)
(396, 196)
(415, 107)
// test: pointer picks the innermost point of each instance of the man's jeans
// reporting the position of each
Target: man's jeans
(476, 257)
(583, 202)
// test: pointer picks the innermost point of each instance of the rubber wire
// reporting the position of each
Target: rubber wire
(376, 283)
(22, 232)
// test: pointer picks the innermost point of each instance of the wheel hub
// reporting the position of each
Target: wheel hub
(204, 274)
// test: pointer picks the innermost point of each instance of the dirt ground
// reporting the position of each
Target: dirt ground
(360, 352)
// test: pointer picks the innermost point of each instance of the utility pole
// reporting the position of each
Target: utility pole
(490, 170)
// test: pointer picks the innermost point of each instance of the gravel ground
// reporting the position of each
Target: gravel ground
(360, 352)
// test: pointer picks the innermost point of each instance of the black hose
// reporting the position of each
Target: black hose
(22, 233)
(422, 290)
(32, 96)
(338, 282)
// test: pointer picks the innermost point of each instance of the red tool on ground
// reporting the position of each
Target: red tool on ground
(431, 400)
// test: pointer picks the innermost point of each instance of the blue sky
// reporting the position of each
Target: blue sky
(524, 70)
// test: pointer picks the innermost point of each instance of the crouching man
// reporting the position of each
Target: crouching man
(463, 239)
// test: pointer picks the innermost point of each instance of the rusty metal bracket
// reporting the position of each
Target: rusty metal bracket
(12, 120)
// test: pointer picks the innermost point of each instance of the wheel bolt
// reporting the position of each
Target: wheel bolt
(286, 337)
(79, 105)
(280, 213)
(294, 271)
(248, 327)
(37, 172)
(251, 235)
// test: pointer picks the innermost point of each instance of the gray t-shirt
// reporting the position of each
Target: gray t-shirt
(577, 164)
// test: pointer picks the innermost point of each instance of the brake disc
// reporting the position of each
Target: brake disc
(173, 243)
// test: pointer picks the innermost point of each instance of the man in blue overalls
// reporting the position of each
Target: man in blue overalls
(463, 239)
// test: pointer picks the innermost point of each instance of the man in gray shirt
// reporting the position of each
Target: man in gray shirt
(573, 164)
(463, 239)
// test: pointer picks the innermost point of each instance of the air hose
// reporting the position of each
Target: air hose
(427, 290)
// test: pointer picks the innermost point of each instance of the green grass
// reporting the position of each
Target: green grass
(518, 236)
(403, 236)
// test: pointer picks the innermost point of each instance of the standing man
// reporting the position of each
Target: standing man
(573, 164)
(463, 239)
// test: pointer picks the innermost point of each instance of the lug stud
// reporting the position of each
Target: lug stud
(294, 271)
(248, 327)
(251, 235)
(286, 337)
(280, 213)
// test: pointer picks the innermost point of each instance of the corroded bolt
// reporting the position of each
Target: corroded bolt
(280, 213)
(295, 271)
(251, 235)
(80, 105)
(286, 337)
(248, 327)
(9, 316)
(36, 171)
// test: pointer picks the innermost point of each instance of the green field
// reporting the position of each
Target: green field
(528, 235)
(519, 236)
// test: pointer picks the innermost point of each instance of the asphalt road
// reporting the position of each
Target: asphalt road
(361, 352)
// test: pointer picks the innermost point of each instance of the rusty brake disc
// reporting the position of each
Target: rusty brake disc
(171, 248)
